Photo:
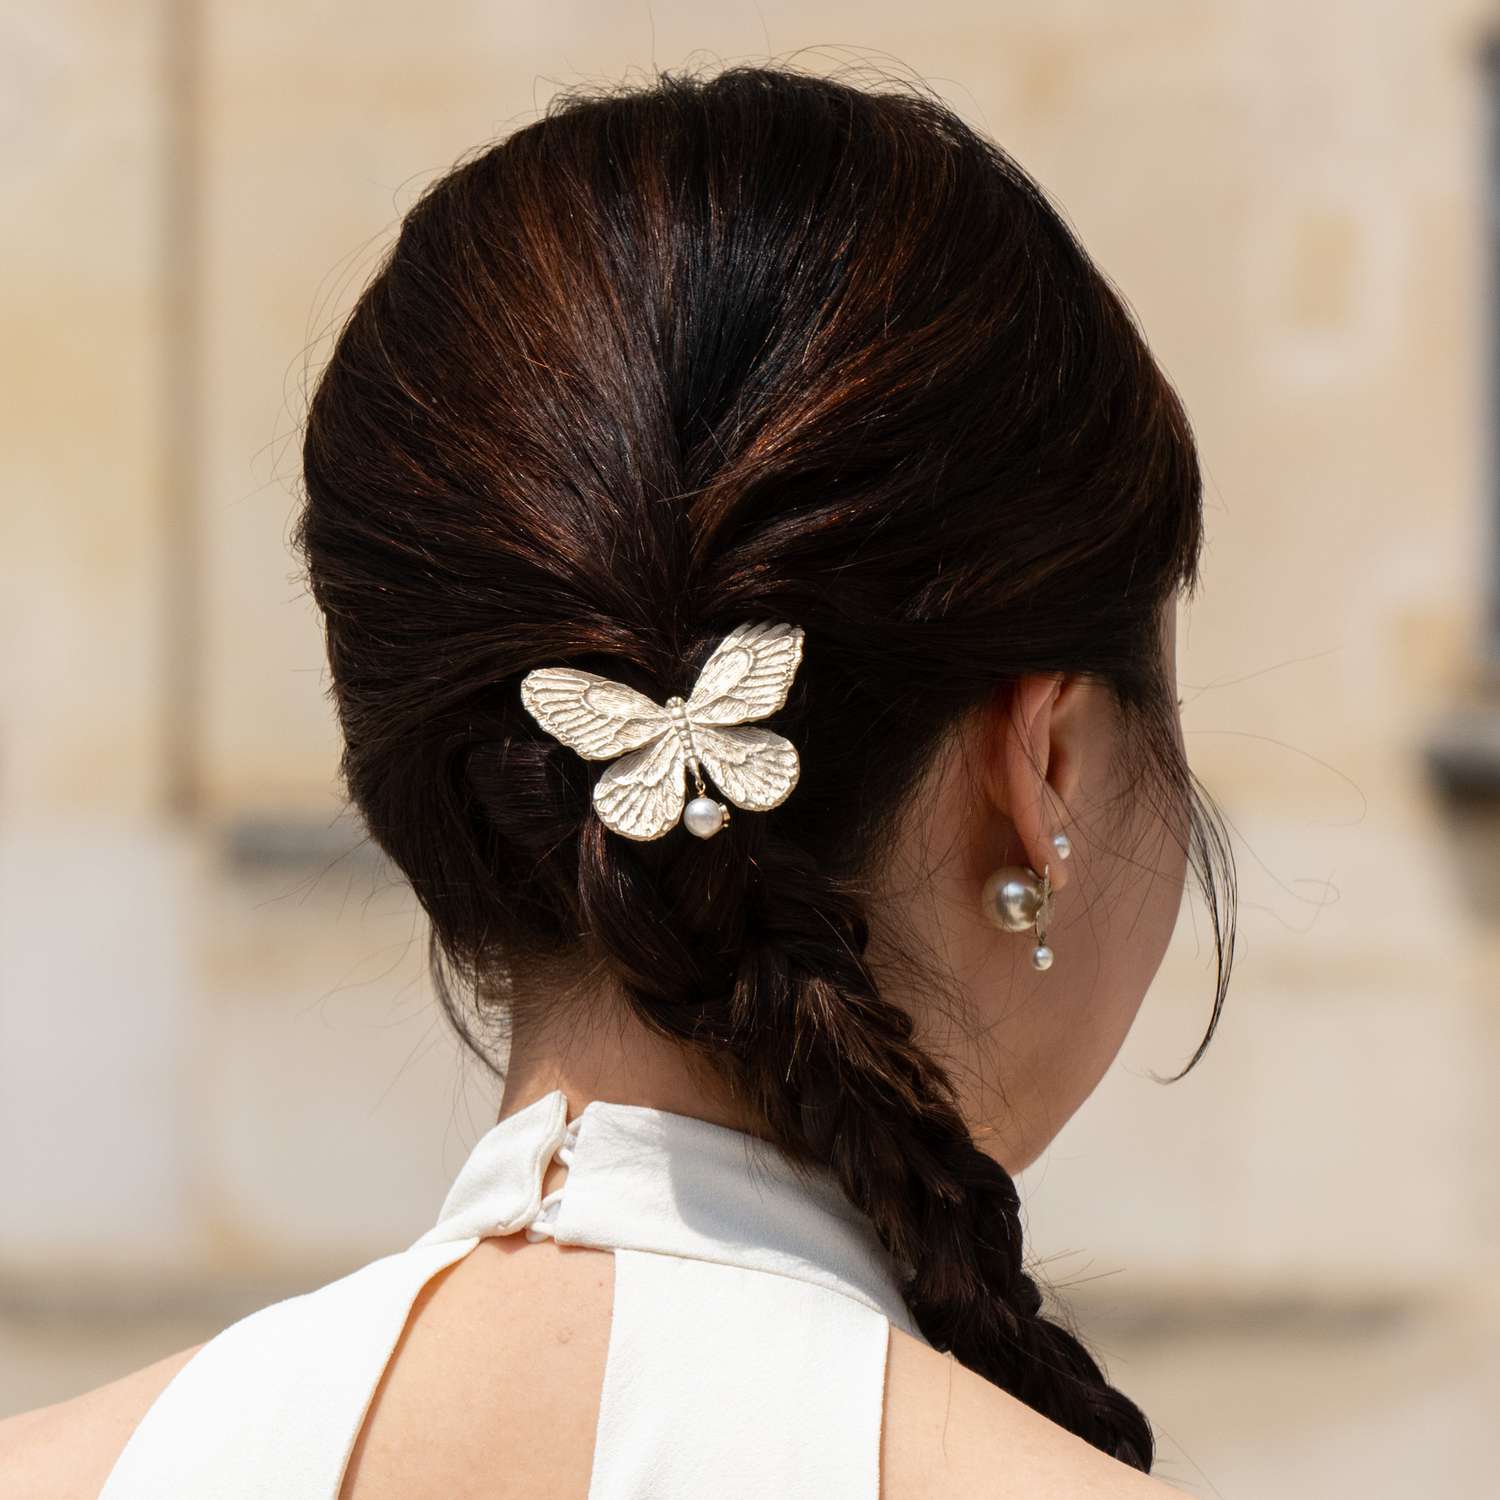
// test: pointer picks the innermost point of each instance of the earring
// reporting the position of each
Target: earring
(1063, 844)
(1015, 898)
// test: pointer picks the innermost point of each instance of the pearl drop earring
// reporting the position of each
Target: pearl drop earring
(1015, 898)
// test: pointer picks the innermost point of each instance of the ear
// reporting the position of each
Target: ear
(1034, 741)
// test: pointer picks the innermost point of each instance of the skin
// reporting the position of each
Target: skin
(517, 1332)
(1027, 1048)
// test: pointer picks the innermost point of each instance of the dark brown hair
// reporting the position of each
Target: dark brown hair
(676, 356)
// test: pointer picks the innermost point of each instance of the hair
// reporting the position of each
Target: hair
(709, 349)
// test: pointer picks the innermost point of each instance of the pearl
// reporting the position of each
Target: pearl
(1041, 958)
(704, 817)
(1063, 844)
(1012, 898)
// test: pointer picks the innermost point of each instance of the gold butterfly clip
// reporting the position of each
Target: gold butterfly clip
(641, 796)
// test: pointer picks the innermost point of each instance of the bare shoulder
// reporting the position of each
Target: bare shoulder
(948, 1431)
(65, 1452)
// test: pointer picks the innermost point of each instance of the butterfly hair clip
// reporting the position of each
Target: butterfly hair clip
(642, 794)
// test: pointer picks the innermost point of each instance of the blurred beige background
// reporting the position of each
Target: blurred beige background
(222, 1079)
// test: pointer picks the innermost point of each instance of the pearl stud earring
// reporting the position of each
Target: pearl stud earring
(1015, 898)
(1063, 844)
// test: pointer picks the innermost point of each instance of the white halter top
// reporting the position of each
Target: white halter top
(747, 1346)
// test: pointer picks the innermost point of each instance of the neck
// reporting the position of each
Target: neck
(612, 1057)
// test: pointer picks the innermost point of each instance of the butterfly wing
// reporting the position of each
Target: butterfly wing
(641, 795)
(748, 676)
(754, 768)
(590, 714)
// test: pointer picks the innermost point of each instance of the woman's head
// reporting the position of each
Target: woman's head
(766, 346)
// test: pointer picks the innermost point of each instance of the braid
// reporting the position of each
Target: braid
(801, 1032)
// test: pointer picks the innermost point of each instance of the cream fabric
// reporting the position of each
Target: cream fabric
(747, 1344)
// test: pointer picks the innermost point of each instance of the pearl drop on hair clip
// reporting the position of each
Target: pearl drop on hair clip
(704, 817)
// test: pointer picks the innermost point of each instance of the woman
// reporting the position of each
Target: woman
(749, 531)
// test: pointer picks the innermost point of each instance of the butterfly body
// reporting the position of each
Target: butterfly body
(683, 724)
(642, 794)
